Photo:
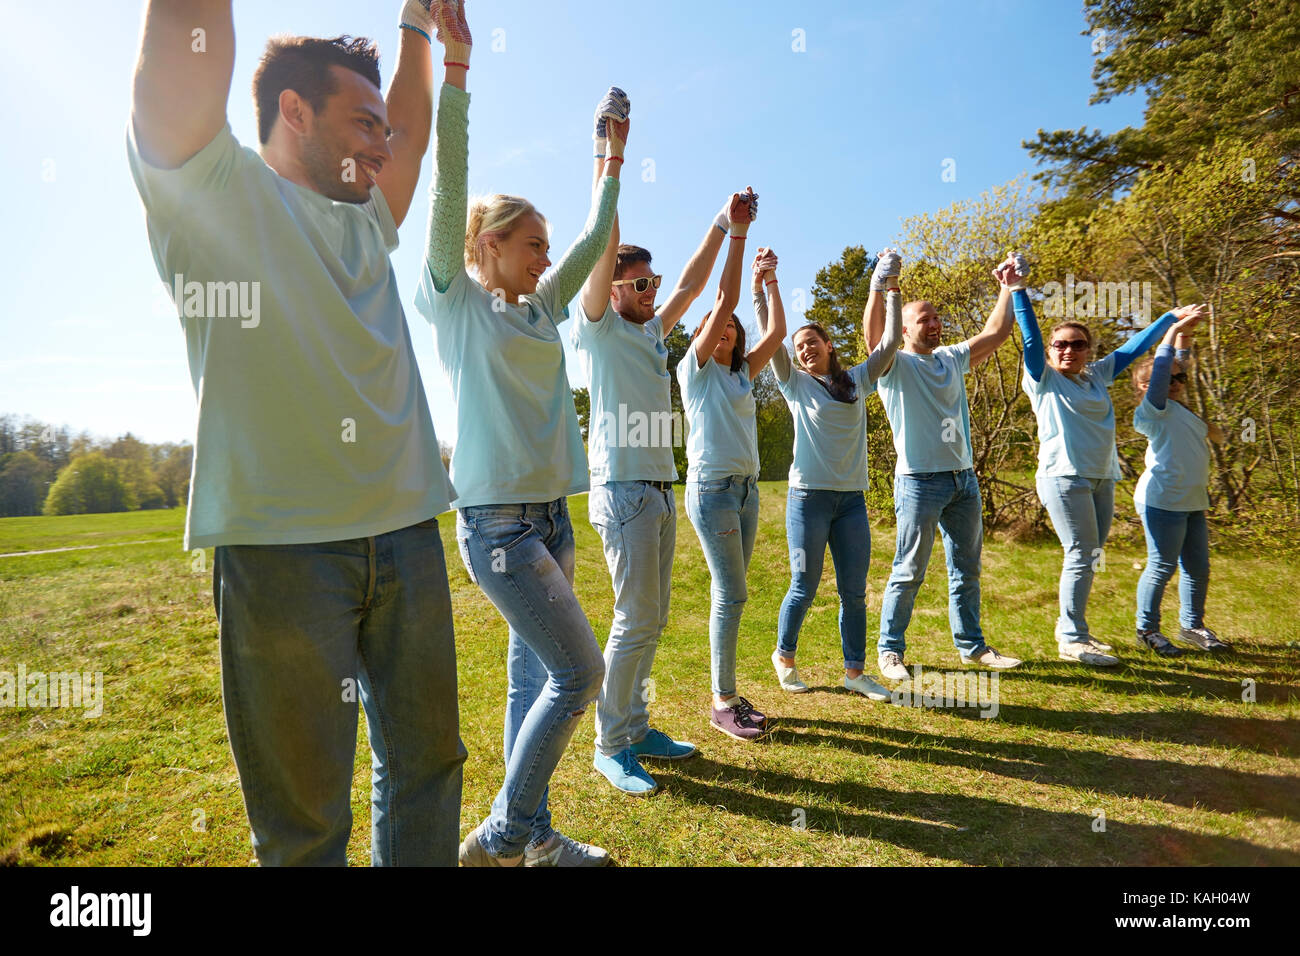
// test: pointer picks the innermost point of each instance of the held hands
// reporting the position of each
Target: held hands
(1188, 317)
(1013, 272)
(764, 266)
(452, 31)
(889, 265)
(614, 106)
(742, 210)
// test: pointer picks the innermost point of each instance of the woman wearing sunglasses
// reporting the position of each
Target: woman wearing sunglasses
(1172, 496)
(518, 452)
(1077, 461)
(715, 376)
(828, 475)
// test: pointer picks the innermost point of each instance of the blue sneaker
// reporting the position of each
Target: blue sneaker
(659, 746)
(625, 772)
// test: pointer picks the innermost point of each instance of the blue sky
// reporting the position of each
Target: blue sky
(841, 140)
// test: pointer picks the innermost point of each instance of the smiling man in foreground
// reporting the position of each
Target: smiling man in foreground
(316, 469)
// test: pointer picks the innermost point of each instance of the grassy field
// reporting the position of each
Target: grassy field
(1183, 768)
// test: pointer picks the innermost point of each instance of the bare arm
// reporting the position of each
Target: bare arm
(729, 287)
(410, 116)
(182, 78)
(996, 330)
(764, 270)
(771, 342)
(693, 278)
(595, 290)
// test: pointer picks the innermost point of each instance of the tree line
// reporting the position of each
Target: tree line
(47, 470)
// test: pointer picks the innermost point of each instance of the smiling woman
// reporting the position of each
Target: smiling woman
(518, 454)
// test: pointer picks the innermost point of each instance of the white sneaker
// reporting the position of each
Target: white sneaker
(991, 659)
(891, 666)
(560, 850)
(788, 676)
(1086, 653)
(864, 685)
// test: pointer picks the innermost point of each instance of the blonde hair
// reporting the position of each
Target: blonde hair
(493, 217)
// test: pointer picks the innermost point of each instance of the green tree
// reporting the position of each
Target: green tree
(91, 484)
(23, 479)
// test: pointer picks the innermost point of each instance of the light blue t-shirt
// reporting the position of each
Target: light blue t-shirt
(722, 434)
(1177, 476)
(830, 436)
(1076, 421)
(632, 431)
(517, 435)
(312, 419)
(925, 401)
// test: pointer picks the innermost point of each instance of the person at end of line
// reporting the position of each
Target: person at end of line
(923, 391)
(828, 475)
(329, 568)
(716, 376)
(1172, 496)
(619, 338)
(1078, 463)
(518, 455)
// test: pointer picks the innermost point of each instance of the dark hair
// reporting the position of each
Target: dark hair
(737, 349)
(628, 255)
(841, 387)
(302, 64)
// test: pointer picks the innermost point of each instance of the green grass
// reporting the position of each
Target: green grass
(1184, 770)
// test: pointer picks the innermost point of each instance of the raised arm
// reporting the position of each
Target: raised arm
(884, 279)
(771, 342)
(575, 266)
(1131, 350)
(595, 291)
(739, 215)
(449, 190)
(1162, 366)
(998, 328)
(1035, 350)
(410, 109)
(182, 78)
(882, 356)
(696, 274)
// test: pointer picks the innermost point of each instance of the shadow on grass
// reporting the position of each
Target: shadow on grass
(1174, 682)
(975, 830)
(1187, 785)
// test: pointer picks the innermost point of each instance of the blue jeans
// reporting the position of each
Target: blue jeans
(1081, 510)
(306, 629)
(949, 501)
(1174, 538)
(724, 512)
(814, 517)
(637, 523)
(522, 558)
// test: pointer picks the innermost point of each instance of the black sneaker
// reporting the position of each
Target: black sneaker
(1155, 641)
(1203, 639)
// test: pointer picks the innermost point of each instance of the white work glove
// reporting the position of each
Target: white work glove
(889, 265)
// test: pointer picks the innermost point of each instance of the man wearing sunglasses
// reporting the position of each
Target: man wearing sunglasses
(619, 338)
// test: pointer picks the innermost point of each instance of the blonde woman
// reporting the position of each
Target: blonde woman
(518, 453)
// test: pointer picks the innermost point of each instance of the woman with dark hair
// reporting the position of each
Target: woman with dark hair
(1077, 460)
(722, 478)
(519, 452)
(828, 475)
(1172, 496)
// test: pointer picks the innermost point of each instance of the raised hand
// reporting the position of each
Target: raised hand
(452, 31)
(1191, 312)
(614, 105)
(742, 211)
(1013, 272)
(617, 141)
(417, 16)
(889, 265)
(764, 263)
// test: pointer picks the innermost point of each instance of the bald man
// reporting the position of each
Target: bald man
(924, 394)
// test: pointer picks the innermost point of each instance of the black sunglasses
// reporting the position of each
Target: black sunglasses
(1073, 345)
(1179, 377)
(641, 283)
